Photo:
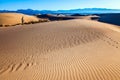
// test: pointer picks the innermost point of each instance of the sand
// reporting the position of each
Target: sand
(8, 19)
(60, 17)
(60, 50)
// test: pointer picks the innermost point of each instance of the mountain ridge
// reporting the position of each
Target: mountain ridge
(79, 10)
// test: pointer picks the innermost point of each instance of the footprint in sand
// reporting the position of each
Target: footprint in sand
(16, 67)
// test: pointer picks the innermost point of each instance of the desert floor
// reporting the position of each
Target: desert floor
(60, 50)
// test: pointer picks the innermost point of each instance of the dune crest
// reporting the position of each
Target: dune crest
(10, 19)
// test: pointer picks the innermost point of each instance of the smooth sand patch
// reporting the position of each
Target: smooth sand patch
(8, 19)
(60, 50)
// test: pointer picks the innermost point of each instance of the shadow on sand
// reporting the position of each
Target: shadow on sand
(113, 18)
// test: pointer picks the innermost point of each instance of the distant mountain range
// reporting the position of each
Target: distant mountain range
(72, 11)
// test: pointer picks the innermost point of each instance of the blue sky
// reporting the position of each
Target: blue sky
(58, 4)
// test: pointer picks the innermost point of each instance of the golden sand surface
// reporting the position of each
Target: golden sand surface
(8, 19)
(60, 50)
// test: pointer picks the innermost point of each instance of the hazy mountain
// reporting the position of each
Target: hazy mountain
(82, 11)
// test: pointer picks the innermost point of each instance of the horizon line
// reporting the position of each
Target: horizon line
(58, 9)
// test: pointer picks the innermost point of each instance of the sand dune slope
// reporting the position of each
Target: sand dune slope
(7, 19)
(63, 50)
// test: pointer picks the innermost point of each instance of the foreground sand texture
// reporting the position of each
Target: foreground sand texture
(61, 50)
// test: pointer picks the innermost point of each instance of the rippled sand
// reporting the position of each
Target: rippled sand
(60, 50)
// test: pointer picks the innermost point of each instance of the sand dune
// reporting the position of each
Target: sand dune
(60, 50)
(7, 19)
(52, 17)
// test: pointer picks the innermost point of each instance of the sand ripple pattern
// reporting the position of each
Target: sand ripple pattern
(65, 50)
(15, 67)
